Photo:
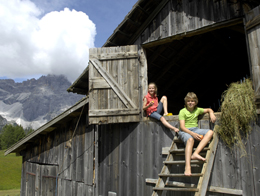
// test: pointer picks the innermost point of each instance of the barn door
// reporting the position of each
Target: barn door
(115, 84)
(40, 179)
(252, 27)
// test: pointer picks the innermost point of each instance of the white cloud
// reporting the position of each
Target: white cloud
(57, 43)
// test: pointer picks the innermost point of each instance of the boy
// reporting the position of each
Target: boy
(189, 130)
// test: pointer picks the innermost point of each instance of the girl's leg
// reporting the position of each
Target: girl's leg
(168, 125)
(165, 105)
(201, 145)
(188, 152)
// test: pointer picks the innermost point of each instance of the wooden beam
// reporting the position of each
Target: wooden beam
(185, 68)
(114, 56)
(174, 61)
(201, 30)
(148, 21)
(210, 188)
(124, 34)
(98, 83)
(133, 22)
(114, 85)
(206, 171)
(252, 23)
(142, 9)
(113, 112)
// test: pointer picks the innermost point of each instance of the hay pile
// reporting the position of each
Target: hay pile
(238, 111)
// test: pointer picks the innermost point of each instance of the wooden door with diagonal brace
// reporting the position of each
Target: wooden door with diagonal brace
(116, 78)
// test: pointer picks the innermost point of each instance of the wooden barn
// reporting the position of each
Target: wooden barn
(105, 146)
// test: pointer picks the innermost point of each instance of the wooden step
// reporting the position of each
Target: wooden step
(183, 162)
(181, 175)
(182, 150)
(176, 140)
(175, 189)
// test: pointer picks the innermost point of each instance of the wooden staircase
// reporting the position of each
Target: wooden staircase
(164, 184)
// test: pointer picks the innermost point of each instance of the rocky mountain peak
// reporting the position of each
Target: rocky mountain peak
(35, 101)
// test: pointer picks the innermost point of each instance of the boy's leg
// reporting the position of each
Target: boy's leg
(201, 145)
(188, 152)
(165, 105)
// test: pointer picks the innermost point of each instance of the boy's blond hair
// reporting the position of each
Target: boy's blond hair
(191, 96)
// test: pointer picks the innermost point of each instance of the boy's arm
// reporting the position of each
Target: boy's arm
(211, 114)
(193, 134)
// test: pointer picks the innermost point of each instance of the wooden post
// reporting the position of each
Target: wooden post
(252, 25)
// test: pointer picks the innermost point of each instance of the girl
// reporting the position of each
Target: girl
(153, 109)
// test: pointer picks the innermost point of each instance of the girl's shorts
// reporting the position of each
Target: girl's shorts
(185, 136)
(157, 114)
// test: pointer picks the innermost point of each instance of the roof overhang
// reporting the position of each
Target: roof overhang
(127, 32)
(80, 86)
(50, 126)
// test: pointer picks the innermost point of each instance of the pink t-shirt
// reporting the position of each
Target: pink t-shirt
(153, 108)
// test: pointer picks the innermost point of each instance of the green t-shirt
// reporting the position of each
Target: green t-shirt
(191, 118)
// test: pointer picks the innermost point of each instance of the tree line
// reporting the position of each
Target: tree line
(10, 134)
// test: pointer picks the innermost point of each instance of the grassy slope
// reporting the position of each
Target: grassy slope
(10, 171)
(10, 192)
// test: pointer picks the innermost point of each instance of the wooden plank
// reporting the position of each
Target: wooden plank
(253, 23)
(180, 175)
(253, 42)
(205, 29)
(88, 155)
(98, 83)
(114, 85)
(119, 55)
(143, 78)
(148, 21)
(114, 56)
(165, 171)
(183, 162)
(255, 151)
(113, 112)
(206, 170)
(95, 128)
(225, 190)
(210, 188)
(176, 189)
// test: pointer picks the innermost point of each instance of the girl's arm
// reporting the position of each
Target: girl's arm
(183, 128)
(146, 106)
(211, 114)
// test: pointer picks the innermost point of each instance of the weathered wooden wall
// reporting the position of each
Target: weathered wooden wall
(49, 157)
(253, 40)
(130, 153)
(185, 16)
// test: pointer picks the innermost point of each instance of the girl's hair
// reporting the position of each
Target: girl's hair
(189, 96)
(152, 83)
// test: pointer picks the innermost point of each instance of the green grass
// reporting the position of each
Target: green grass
(10, 171)
(14, 192)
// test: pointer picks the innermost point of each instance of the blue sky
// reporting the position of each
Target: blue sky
(41, 37)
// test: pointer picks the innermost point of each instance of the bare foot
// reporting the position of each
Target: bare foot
(197, 157)
(187, 172)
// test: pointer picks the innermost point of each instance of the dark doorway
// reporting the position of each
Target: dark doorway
(205, 64)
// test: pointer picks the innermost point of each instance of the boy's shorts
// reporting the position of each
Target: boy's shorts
(157, 114)
(185, 136)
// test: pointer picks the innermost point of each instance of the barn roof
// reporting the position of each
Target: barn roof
(210, 52)
(50, 126)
